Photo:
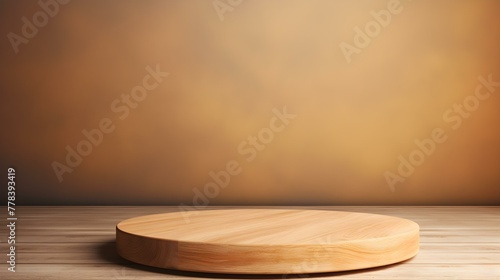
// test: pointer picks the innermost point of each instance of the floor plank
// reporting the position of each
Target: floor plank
(78, 243)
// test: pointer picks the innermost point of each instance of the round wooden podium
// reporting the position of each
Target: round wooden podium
(266, 241)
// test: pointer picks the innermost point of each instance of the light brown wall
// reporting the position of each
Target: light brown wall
(353, 120)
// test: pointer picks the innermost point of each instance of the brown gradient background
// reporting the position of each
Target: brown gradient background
(353, 120)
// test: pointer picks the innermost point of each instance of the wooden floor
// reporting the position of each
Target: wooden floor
(79, 243)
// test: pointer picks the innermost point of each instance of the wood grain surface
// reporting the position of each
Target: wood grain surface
(267, 241)
(79, 243)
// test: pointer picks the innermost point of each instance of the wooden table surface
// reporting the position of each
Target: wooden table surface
(79, 243)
